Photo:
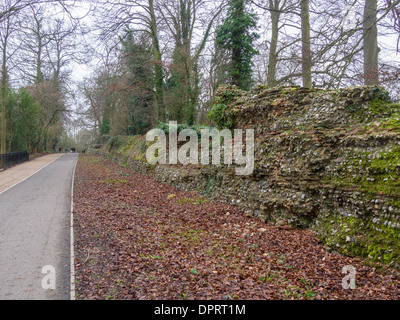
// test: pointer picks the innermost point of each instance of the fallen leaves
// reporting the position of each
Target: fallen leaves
(138, 239)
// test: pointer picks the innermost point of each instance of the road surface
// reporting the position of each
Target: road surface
(35, 230)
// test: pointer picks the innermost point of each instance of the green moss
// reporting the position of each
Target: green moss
(392, 124)
(372, 173)
(128, 147)
(131, 143)
(379, 105)
(380, 93)
(375, 241)
(143, 147)
(288, 90)
(352, 108)
(113, 181)
(182, 126)
(378, 240)
(124, 161)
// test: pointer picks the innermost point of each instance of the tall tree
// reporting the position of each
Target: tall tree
(371, 50)
(27, 52)
(274, 7)
(180, 88)
(306, 61)
(65, 46)
(236, 37)
(23, 118)
(158, 69)
(6, 29)
(96, 91)
(141, 15)
(54, 110)
(281, 46)
(35, 38)
(183, 19)
(139, 83)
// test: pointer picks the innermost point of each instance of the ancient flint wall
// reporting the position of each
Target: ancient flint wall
(325, 160)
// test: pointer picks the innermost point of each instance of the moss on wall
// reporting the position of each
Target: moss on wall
(376, 240)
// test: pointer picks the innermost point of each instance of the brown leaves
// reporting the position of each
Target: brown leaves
(138, 239)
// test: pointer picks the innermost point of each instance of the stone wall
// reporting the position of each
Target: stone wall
(325, 160)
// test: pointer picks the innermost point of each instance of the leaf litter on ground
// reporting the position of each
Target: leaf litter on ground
(139, 239)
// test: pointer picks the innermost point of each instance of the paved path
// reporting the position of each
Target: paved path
(14, 175)
(35, 229)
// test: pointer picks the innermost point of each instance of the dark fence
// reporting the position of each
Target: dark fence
(13, 158)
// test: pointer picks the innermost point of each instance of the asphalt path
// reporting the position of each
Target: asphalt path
(35, 234)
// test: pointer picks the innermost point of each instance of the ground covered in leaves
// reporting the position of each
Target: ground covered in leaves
(138, 239)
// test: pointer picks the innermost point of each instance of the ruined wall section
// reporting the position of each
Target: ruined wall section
(325, 160)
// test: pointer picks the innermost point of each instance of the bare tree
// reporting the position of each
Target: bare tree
(185, 18)
(139, 15)
(64, 47)
(5, 33)
(282, 13)
(34, 37)
(7, 20)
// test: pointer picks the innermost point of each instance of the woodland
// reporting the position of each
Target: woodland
(80, 73)
(73, 72)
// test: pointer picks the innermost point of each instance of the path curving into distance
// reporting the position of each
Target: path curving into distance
(35, 234)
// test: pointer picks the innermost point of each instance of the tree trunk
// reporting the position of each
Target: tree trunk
(3, 109)
(39, 53)
(189, 74)
(158, 70)
(272, 60)
(371, 50)
(3, 97)
(306, 43)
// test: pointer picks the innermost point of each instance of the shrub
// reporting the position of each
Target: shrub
(115, 143)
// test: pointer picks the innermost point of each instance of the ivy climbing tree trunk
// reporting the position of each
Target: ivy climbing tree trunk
(182, 17)
(158, 69)
(235, 36)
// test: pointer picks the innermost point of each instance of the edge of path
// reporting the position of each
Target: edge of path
(72, 250)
